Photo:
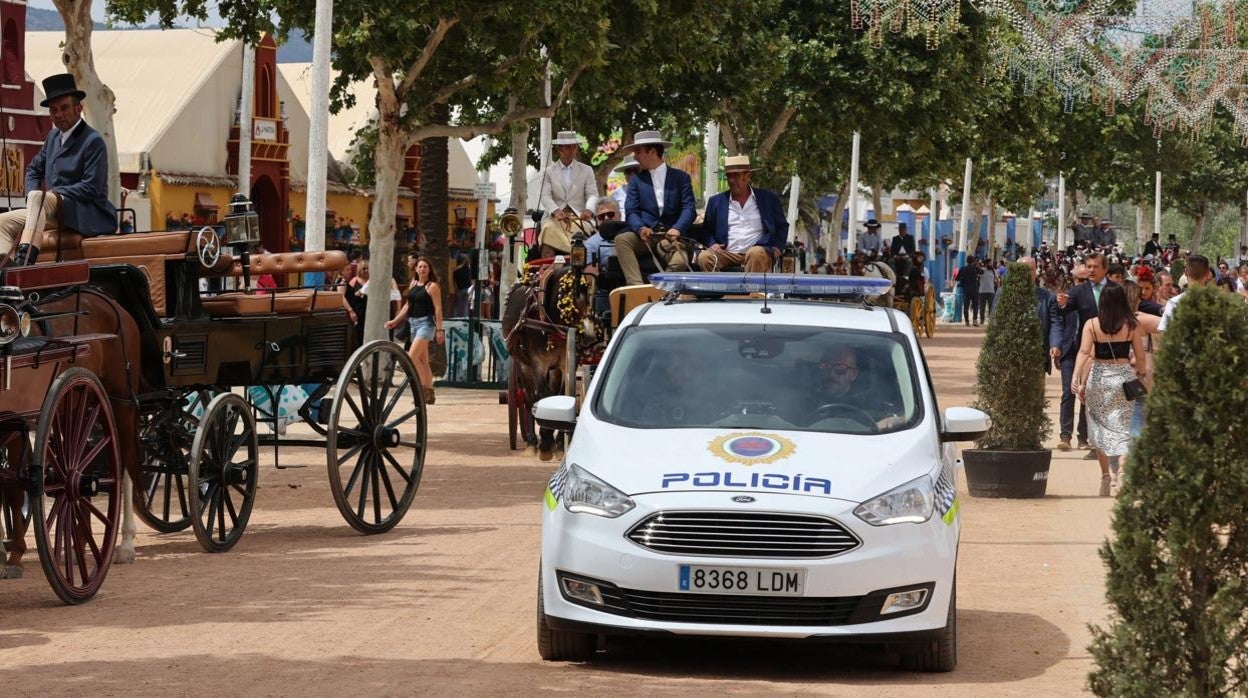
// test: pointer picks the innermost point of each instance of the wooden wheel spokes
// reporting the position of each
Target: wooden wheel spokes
(79, 501)
(222, 472)
(375, 444)
(160, 497)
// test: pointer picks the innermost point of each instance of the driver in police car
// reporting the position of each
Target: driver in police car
(838, 385)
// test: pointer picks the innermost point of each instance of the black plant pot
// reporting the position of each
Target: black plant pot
(1013, 474)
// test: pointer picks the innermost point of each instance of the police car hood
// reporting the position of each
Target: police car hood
(851, 467)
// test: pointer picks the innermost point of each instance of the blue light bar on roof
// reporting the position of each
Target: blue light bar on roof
(706, 282)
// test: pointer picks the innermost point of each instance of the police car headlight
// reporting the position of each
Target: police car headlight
(587, 494)
(910, 503)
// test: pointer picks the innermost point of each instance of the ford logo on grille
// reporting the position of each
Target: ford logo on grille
(743, 499)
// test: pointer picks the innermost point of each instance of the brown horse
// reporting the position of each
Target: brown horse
(535, 322)
(116, 362)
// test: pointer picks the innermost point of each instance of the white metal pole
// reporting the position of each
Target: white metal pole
(1157, 204)
(711, 143)
(245, 123)
(545, 123)
(966, 207)
(795, 189)
(318, 143)
(1060, 237)
(852, 243)
(931, 227)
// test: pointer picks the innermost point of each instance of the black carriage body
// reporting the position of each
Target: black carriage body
(192, 349)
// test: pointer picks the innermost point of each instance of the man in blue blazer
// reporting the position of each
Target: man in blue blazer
(745, 226)
(1080, 306)
(658, 196)
(1052, 322)
(66, 183)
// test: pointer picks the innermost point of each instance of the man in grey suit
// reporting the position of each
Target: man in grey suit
(66, 183)
(568, 192)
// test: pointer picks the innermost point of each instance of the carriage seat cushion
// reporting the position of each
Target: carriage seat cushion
(234, 303)
(68, 242)
(138, 245)
(292, 263)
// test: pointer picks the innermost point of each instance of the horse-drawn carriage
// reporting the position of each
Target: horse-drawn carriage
(914, 296)
(182, 338)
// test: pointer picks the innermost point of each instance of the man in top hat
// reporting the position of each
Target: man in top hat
(745, 226)
(903, 242)
(66, 183)
(568, 191)
(1084, 228)
(869, 242)
(629, 168)
(658, 197)
(1153, 246)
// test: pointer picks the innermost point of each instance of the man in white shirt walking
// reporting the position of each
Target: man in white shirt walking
(1198, 274)
(568, 191)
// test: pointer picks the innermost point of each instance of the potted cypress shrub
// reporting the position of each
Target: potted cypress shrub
(1009, 460)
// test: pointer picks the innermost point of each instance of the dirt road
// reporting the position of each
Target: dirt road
(445, 603)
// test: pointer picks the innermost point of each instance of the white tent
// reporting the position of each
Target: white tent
(177, 91)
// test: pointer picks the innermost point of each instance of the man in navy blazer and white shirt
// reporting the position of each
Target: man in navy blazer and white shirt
(657, 196)
(66, 183)
(746, 227)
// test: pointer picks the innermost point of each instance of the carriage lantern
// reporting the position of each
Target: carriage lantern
(13, 324)
(242, 223)
(578, 255)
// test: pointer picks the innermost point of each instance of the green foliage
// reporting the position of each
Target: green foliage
(1010, 370)
(1178, 561)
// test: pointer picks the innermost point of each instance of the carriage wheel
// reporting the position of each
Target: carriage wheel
(160, 495)
(520, 428)
(916, 314)
(12, 434)
(376, 438)
(77, 502)
(929, 324)
(222, 472)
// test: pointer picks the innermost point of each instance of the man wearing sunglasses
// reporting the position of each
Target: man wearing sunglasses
(608, 211)
(746, 227)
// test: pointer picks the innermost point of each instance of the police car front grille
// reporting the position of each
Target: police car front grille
(742, 534)
(730, 610)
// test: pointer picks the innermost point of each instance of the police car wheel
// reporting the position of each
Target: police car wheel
(939, 655)
(561, 645)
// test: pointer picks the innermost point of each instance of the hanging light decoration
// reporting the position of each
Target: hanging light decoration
(931, 18)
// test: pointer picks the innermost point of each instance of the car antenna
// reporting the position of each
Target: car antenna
(766, 310)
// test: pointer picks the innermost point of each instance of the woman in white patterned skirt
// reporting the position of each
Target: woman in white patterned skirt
(1103, 366)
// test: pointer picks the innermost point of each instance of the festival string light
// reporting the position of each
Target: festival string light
(931, 18)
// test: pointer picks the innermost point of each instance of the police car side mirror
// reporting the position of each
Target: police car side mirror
(964, 424)
(556, 412)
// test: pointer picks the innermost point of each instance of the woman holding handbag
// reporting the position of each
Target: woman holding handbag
(1106, 381)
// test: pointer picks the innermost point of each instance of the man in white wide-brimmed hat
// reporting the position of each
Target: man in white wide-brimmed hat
(659, 197)
(746, 226)
(629, 168)
(568, 191)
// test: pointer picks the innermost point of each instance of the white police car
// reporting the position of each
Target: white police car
(756, 468)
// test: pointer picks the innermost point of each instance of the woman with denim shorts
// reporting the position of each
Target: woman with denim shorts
(422, 310)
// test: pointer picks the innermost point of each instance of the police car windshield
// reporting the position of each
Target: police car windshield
(757, 377)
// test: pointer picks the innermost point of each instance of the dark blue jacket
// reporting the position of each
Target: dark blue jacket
(1046, 307)
(643, 207)
(79, 173)
(775, 227)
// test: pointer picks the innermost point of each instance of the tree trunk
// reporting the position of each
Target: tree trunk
(100, 104)
(519, 198)
(388, 170)
(433, 201)
(832, 238)
(1199, 232)
(877, 200)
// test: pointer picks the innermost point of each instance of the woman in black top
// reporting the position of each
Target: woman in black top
(422, 310)
(1103, 365)
(357, 302)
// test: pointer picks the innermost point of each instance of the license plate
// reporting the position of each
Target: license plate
(713, 579)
